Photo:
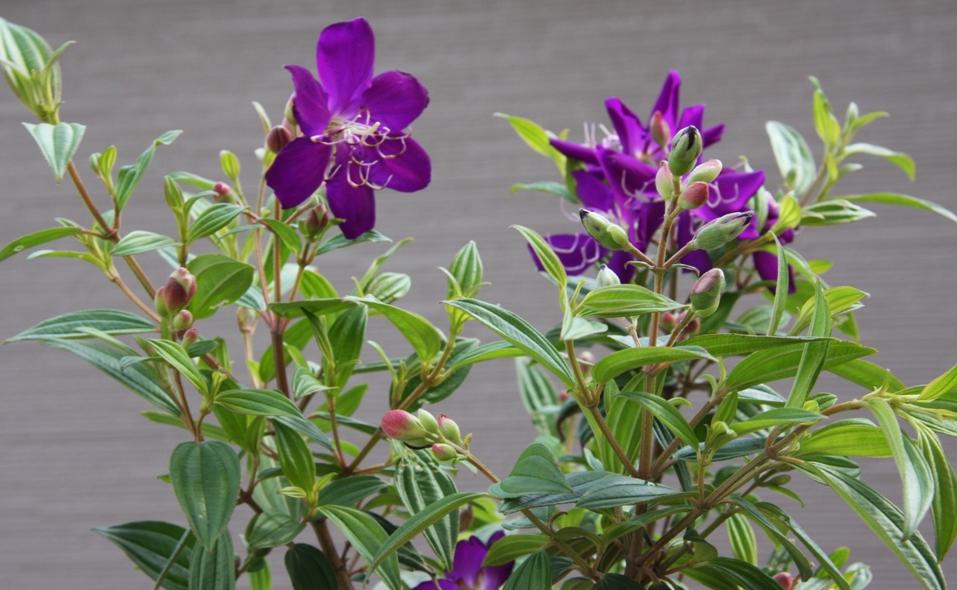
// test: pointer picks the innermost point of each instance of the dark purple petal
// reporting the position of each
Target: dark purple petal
(627, 176)
(650, 216)
(683, 234)
(593, 192)
(402, 165)
(310, 103)
(766, 264)
(437, 585)
(394, 99)
(712, 135)
(692, 115)
(627, 125)
(575, 151)
(667, 103)
(494, 577)
(298, 171)
(354, 204)
(467, 562)
(576, 252)
(619, 263)
(730, 193)
(344, 58)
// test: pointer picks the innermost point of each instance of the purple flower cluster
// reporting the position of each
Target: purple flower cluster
(467, 571)
(354, 129)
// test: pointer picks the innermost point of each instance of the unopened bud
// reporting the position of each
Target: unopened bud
(316, 221)
(660, 130)
(443, 452)
(722, 230)
(182, 320)
(779, 480)
(428, 421)
(706, 292)
(606, 233)
(607, 277)
(694, 196)
(466, 518)
(784, 580)
(669, 321)
(401, 425)
(685, 149)
(32, 69)
(177, 292)
(587, 357)
(278, 138)
(665, 181)
(450, 430)
(159, 302)
(224, 192)
(190, 336)
(705, 171)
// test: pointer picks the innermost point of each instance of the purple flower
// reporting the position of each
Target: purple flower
(356, 122)
(467, 572)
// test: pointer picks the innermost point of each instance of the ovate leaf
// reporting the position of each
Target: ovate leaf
(535, 573)
(205, 477)
(37, 238)
(58, 143)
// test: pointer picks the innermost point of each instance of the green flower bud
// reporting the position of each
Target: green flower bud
(607, 277)
(32, 69)
(694, 196)
(189, 337)
(665, 181)
(182, 320)
(450, 430)
(705, 171)
(722, 230)
(316, 222)
(443, 452)
(428, 421)
(706, 292)
(606, 233)
(660, 130)
(685, 149)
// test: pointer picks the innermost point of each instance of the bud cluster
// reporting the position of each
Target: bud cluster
(420, 430)
(175, 295)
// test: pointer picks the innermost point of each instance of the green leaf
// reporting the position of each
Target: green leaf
(847, 438)
(519, 333)
(939, 386)
(219, 280)
(535, 472)
(139, 241)
(886, 521)
(552, 188)
(666, 413)
(150, 544)
(58, 143)
(814, 354)
(621, 490)
(340, 241)
(618, 301)
(467, 271)
(741, 536)
(827, 564)
(538, 395)
(205, 477)
(286, 234)
(825, 123)
(899, 159)
(260, 578)
(77, 324)
(420, 521)
(213, 219)
(535, 573)
(257, 402)
(633, 358)
(728, 574)
(510, 548)
(868, 375)
(776, 526)
(780, 290)
(793, 156)
(765, 366)
(309, 568)
(915, 474)
(368, 537)
(177, 357)
(775, 417)
(37, 238)
(421, 482)
(348, 491)
(273, 529)
(425, 338)
(317, 307)
(536, 138)
(902, 201)
(213, 566)
(738, 344)
(833, 212)
(840, 300)
(295, 458)
(550, 262)
(129, 176)
(944, 506)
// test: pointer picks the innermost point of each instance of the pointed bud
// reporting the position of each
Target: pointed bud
(606, 233)
(660, 130)
(224, 192)
(159, 302)
(694, 196)
(278, 138)
(428, 421)
(401, 425)
(706, 292)
(784, 580)
(190, 336)
(183, 320)
(316, 221)
(665, 181)
(178, 290)
(607, 277)
(685, 149)
(722, 230)
(450, 430)
(705, 171)
(669, 321)
(443, 452)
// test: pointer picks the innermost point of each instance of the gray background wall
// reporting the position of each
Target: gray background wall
(74, 453)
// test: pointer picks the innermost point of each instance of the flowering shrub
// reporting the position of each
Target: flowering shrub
(673, 400)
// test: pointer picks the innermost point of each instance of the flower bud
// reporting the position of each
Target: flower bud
(706, 292)
(428, 421)
(32, 69)
(784, 580)
(606, 233)
(660, 130)
(183, 320)
(190, 336)
(450, 430)
(159, 302)
(316, 221)
(694, 196)
(178, 291)
(401, 425)
(443, 452)
(685, 149)
(722, 230)
(665, 181)
(669, 321)
(705, 171)
(607, 277)
(224, 192)
(278, 138)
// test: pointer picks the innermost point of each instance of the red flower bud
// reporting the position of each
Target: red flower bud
(669, 321)
(660, 130)
(224, 192)
(278, 138)
(401, 425)
(177, 292)
(190, 336)
(784, 580)
(694, 196)
(316, 221)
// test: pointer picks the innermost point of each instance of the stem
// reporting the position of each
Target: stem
(117, 280)
(88, 201)
(329, 548)
(282, 381)
(184, 403)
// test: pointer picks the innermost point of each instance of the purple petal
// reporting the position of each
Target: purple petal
(344, 58)
(619, 263)
(298, 171)
(467, 563)
(766, 264)
(692, 115)
(310, 102)
(650, 216)
(627, 176)
(402, 165)
(712, 135)
(626, 124)
(730, 193)
(494, 577)
(592, 192)
(354, 204)
(667, 103)
(576, 252)
(575, 151)
(394, 99)
(684, 233)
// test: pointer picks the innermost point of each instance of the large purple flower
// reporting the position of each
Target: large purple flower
(467, 572)
(355, 121)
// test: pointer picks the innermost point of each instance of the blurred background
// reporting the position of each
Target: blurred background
(75, 454)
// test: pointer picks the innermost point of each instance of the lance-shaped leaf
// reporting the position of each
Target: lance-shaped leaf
(272, 530)
(425, 338)
(776, 417)
(421, 482)
(212, 219)
(666, 413)
(512, 547)
(777, 528)
(633, 358)
(139, 241)
(943, 384)
(899, 159)
(213, 566)
(774, 364)
(902, 201)
(177, 357)
(309, 568)
(740, 344)
(317, 307)
(621, 490)
(854, 437)
(295, 458)
(550, 262)
(129, 176)
(726, 573)
(618, 301)
(58, 143)
(944, 506)
(780, 288)
(37, 238)
(814, 354)
(793, 156)
(535, 573)
(519, 333)
(151, 544)
(368, 537)
(535, 472)
(77, 324)
(205, 477)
